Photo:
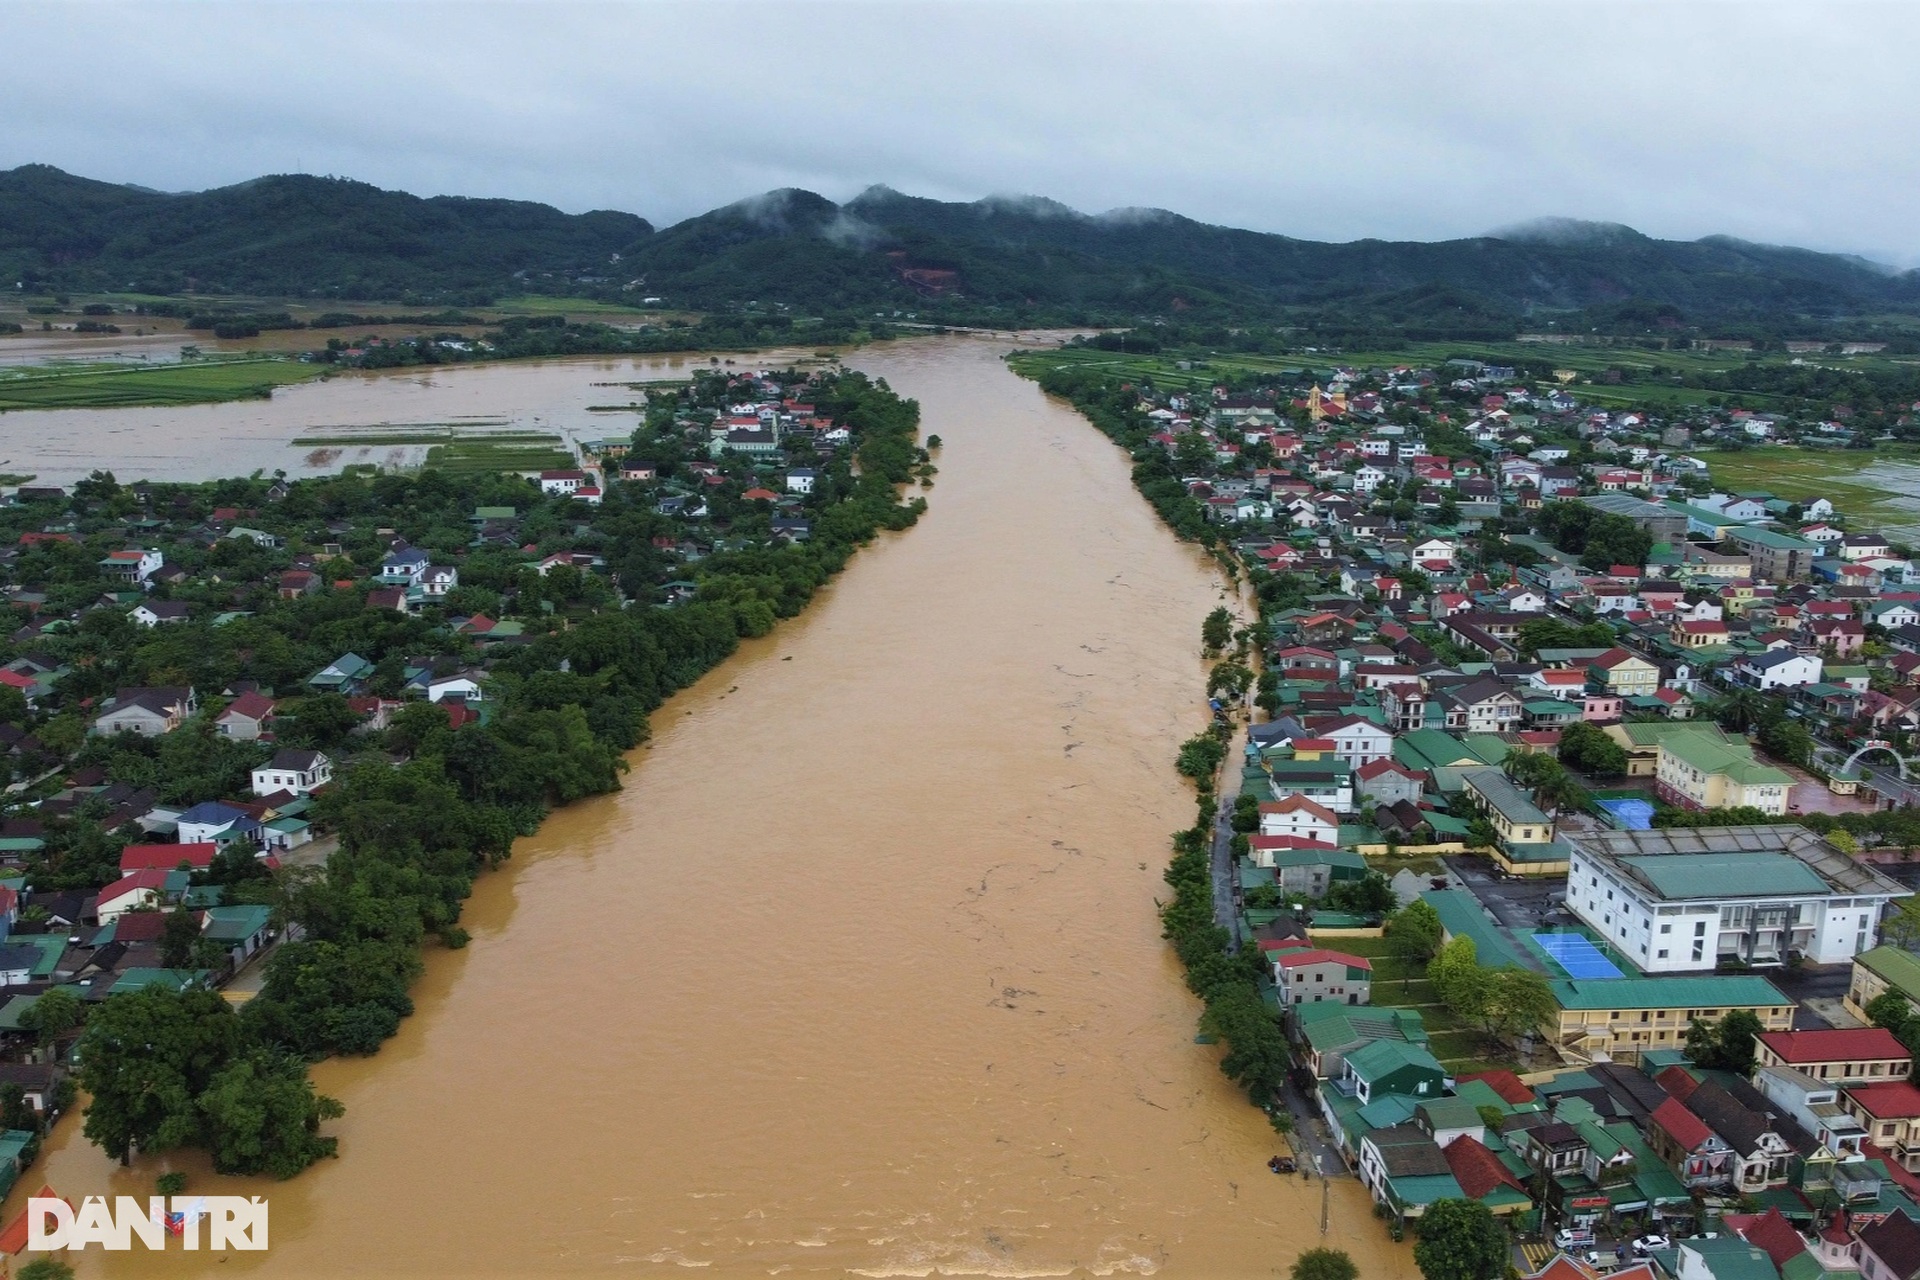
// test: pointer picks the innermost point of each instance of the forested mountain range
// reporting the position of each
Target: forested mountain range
(1016, 258)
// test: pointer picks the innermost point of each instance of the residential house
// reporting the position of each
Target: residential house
(1625, 674)
(158, 613)
(1890, 1248)
(140, 890)
(301, 772)
(1299, 819)
(166, 857)
(1356, 740)
(1309, 975)
(564, 482)
(1778, 669)
(134, 566)
(247, 718)
(1385, 782)
(346, 674)
(210, 820)
(1481, 706)
(1890, 1113)
(148, 712)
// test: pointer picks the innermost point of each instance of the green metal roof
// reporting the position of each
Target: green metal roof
(1768, 538)
(1733, 759)
(11, 1011)
(1719, 875)
(1900, 968)
(1451, 1113)
(235, 924)
(1718, 991)
(1333, 1026)
(1461, 916)
(1381, 1058)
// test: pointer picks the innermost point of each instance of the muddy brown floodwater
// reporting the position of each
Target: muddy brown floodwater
(860, 974)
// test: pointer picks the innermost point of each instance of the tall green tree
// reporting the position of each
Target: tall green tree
(1323, 1264)
(1460, 1240)
(145, 1057)
(262, 1115)
(1413, 935)
(54, 1014)
(1217, 631)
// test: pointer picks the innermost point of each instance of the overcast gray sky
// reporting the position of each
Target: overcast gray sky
(1419, 120)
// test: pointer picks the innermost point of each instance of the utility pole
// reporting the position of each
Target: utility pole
(1326, 1191)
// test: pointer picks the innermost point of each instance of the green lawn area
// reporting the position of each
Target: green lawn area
(540, 305)
(1397, 994)
(197, 382)
(1371, 948)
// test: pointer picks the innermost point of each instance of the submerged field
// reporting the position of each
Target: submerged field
(128, 386)
(1878, 489)
(1583, 360)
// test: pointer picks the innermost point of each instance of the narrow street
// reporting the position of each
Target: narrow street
(1223, 868)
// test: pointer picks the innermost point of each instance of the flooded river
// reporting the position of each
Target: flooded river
(860, 974)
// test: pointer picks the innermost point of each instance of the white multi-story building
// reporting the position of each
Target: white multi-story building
(1685, 899)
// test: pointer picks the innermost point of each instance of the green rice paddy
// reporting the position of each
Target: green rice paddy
(93, 386)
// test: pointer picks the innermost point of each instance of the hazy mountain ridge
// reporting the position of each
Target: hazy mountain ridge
(300, 235)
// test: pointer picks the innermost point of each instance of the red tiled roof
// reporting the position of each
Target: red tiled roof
(154, 878)
(1677, 1081)
(1368, 772)
(1476, 1169)
(1849, 1044)
(141, 926)
(1288, 842)
(1682, 1125)
(1296, 959)
(253, 705)
(1894, 1100)
(1504, 1083)
(1775, 1236)
(1298, 804)
(166, 857)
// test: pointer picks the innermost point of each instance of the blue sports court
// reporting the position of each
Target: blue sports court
(1576, 955)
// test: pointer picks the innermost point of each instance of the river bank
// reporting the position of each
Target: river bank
(896, 1006)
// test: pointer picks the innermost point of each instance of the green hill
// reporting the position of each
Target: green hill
(1023, 258)
(294, 236)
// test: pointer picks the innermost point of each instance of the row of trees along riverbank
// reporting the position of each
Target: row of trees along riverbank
(169, 1069)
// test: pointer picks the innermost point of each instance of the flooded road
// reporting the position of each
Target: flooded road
(861, 973)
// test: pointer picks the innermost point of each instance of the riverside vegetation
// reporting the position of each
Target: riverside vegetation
(166, 1068)
(1227, 981)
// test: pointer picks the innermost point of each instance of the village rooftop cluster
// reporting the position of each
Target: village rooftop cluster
(190, 668)
(1528, 674)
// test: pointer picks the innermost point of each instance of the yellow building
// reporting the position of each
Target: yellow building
(1883, 969)
(1624, 1017)
(1706, 770)
(1626, 674)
